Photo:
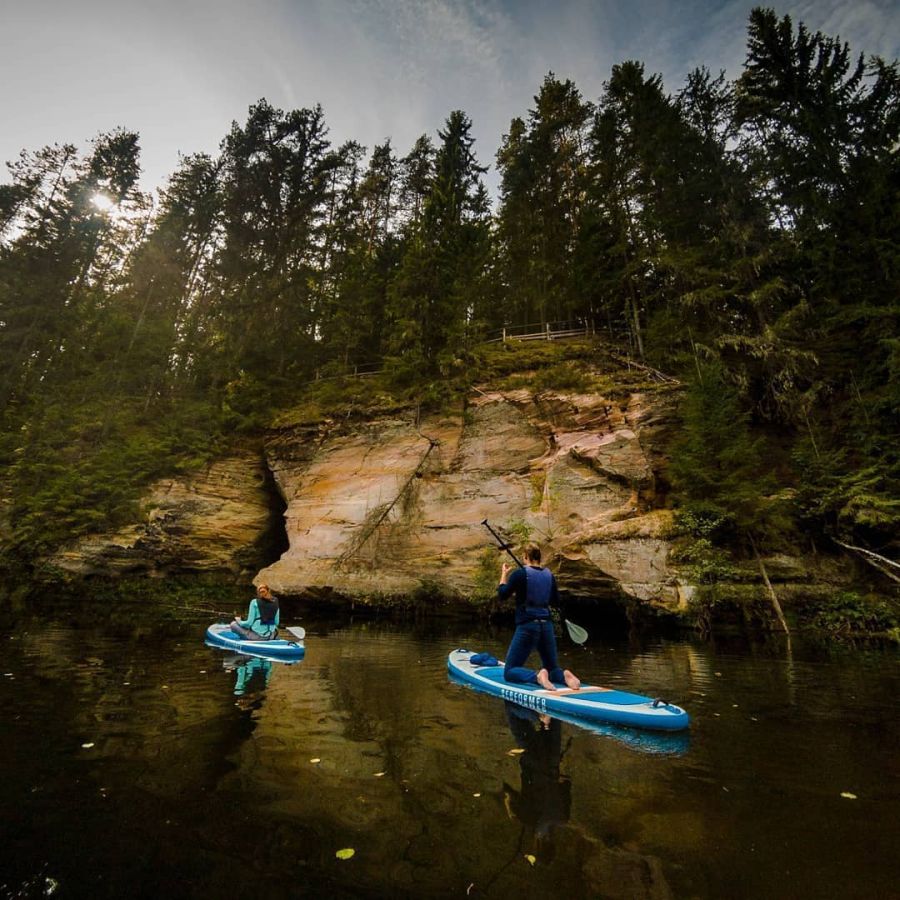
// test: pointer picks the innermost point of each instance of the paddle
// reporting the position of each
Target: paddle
(576, 632)
(296, 631)
(502, 545)
(197, 609)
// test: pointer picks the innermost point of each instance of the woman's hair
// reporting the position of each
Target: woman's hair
(532, 551)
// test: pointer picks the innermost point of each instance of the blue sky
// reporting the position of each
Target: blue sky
(180, 71)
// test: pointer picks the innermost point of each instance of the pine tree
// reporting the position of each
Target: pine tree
(442, 272)
(543, 179)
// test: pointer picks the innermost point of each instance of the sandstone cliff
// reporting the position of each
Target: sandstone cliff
(393, 506)
(379, 503)
(388, 505)
(210, 521)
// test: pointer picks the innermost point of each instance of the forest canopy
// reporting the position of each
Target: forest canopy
(741, 234)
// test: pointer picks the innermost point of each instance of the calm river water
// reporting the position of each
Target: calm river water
(137, 762)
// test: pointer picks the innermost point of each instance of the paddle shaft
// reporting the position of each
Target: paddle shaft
(502, 544)
(199, 609)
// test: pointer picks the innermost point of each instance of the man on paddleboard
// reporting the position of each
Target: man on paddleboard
(534, 588)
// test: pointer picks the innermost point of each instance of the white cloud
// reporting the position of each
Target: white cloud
(869, 26)
(179, 71)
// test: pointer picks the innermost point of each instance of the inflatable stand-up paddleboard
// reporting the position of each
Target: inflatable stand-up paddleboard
(658, 743)
(588, 705)
(223, 637)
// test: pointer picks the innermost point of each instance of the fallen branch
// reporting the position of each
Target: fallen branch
(874, 559)
(628, 361)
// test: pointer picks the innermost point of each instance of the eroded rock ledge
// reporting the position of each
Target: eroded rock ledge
(395, 505)
(211, 521)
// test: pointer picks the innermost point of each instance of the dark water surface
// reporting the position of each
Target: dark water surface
(136, 761)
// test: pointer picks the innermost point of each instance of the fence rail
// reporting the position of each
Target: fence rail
(361, 371)
(542, 331)
(538, 331)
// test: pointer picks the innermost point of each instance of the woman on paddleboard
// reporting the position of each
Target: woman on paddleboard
(534, 588)
(262, 619)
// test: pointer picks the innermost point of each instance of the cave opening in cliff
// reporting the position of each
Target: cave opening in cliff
(605, 614)
(274, 541)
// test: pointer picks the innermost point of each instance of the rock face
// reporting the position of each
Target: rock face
(393, 506)
(387, 505)
(211, 521)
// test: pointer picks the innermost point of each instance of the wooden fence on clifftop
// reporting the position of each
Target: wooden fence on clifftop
(542, 331)
(538, 331)
(550, 331)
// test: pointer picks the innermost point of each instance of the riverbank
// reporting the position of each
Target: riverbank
(717, 611)
(361, 496)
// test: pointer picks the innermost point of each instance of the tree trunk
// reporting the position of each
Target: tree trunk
(773, 597)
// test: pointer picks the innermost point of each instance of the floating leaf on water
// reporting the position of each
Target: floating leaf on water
(346, 853)
(315, 760)
(87, 746)
(515, 751)
(379, 775)
(476, 795)
(847, 795)
(531, 859)
(469, 888)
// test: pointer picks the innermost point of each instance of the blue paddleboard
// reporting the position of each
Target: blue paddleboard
(223, 637)
(588, 704)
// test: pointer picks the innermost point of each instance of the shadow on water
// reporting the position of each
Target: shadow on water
(543, 801)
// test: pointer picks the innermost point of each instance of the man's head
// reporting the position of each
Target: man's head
(533, 554)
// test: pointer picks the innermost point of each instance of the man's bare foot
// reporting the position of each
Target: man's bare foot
(571, 680)
(544, 680)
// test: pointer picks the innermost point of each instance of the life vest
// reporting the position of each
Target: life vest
(539, 587)
(267, 610)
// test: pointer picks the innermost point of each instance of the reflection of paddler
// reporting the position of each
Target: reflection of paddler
(245, 667)
(545, 799)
